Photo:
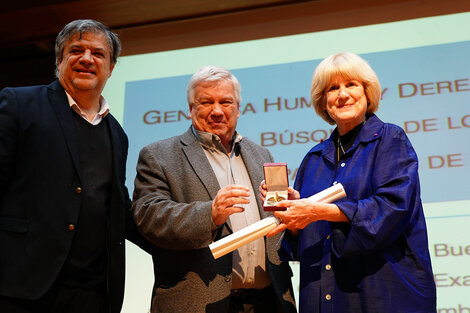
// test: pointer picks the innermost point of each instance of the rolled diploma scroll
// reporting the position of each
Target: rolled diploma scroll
(329, 195)
(261, 228)
(243, 236)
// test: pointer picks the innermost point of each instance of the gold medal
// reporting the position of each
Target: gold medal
(273, 200)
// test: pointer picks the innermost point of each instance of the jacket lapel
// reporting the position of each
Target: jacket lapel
(59, 102)
(201, 166)
(119, 160)
(198, 160)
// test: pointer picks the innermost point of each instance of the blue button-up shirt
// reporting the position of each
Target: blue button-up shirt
(379, 262)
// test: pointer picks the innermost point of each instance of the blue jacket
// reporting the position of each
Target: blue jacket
(380, 261)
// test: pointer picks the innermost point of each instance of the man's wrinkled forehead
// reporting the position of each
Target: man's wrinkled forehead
(98, 37)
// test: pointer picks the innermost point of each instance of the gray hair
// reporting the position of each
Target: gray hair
(211, 73)
(81, 27)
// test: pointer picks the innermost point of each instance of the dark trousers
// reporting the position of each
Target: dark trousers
(60, 299)
(254, 301)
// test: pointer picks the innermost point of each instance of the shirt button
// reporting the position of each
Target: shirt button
(78, 190)
(328, 267)
(71, 227)
(343, 164)
(228, 278)
(328, 297)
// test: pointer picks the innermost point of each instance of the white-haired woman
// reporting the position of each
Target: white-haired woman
(367, 252)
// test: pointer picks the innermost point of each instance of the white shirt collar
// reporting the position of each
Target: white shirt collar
(104, 109)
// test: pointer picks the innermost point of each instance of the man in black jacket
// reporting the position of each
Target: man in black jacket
(64, 208)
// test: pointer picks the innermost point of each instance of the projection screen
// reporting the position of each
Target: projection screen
(424, 69)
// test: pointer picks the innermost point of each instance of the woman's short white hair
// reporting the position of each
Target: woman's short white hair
(212, 73)
(349, 66)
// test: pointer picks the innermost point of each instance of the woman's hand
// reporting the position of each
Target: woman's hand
(300, 213)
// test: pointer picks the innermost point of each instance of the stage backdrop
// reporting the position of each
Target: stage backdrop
(424, 68)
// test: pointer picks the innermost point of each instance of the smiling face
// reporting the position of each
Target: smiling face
(346, 103)
(215, 110)
(86, 64)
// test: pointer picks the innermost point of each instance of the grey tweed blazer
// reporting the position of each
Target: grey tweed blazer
(173, 194)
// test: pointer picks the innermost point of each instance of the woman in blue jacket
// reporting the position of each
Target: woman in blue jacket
(367, 252)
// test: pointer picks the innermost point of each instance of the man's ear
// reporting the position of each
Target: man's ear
(111, 68)
(58, 62)
(190, 109)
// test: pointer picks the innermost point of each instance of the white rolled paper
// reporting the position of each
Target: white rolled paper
(329, 195)
(261, 228)
(243, 236)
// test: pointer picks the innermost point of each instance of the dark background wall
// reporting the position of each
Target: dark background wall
(28, 28)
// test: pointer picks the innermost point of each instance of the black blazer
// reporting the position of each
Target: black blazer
(40, 188)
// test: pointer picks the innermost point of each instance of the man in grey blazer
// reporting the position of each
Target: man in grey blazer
(196, 188)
